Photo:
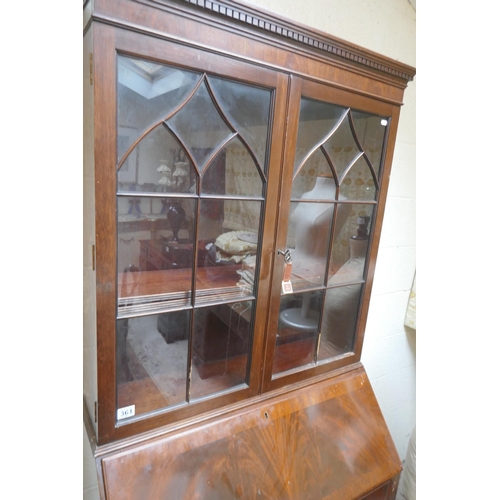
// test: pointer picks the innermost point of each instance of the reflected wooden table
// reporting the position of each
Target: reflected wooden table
(225, 329)
(222, 341)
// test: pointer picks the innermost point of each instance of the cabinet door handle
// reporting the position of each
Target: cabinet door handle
(287, 254)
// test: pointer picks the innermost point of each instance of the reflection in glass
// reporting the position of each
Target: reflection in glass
(339, 321)
(328, 232)
(233, 173)
(157, 164)
(154, 269)
(200, 127)
(347, 263)
(358, 183)
(221, 339)
(370, 131)
(152, 361)
(189, 200)
(227, 259)
(342, 147)
(298, 328)
(316, 121)
(308, 239)
(247, 108)
(315, 167)
(147, 93)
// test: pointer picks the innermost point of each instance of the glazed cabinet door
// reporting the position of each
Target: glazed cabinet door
(192, 147)
(336, 147)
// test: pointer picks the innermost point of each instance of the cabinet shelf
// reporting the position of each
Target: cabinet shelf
(138, 297)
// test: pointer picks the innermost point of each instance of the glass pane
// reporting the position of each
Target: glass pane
(221, 340)
(200, 127)
(339, 321)
(350, 246)
(342, 147)
(242, 215)
(358, 184)
(316, 121)
(169, 188)
(315, 167)
(298, 328)
(233, 173)
(157, 164)
(227, 258)
(155, 253)
(247, 108)
(152, 361)
(308, 240)
(370, 131)
(147, 93)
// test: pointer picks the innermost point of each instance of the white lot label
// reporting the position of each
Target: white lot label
(127, 411)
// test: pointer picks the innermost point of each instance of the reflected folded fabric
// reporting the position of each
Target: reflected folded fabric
(236, 243)
(247, 273)
(235, 246)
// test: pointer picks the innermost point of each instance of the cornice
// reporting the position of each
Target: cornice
(257, 18)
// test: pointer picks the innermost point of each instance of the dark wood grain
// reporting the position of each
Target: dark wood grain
(301, 34)
(326, 441)
(105, 226)
(230, 37)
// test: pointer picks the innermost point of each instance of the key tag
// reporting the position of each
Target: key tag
(286, 284)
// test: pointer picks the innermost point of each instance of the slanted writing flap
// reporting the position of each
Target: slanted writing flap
(323, 441)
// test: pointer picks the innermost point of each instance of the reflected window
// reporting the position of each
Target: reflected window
(148, 93)
(247, 109)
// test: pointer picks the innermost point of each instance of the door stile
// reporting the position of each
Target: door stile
(105, 189)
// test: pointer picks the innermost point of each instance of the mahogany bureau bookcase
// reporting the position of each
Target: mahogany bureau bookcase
(236, 168)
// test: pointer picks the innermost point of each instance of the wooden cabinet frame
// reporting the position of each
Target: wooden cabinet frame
(230, 39)
(112, 42)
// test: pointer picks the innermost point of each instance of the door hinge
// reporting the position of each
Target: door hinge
(91, 70)
(93, 257)
(95, 412)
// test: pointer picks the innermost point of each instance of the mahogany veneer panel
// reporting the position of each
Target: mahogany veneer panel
(323, 441)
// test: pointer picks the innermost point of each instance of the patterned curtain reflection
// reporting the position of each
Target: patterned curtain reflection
(356, 181)
(241, 177)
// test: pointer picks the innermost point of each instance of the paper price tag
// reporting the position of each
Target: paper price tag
(286, 284)
(287, 272)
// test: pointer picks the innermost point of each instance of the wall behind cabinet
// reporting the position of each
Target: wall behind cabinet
(386, 27)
